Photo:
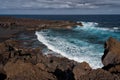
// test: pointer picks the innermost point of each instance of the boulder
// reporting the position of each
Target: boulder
(111, 57)
(112, 52)
(59, 66)
(81, 69)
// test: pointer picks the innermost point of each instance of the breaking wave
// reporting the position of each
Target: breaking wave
(82, 43)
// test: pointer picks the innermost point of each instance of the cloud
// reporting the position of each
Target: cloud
(38, 4)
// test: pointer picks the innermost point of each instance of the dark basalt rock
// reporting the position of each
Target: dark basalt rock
(3, 76)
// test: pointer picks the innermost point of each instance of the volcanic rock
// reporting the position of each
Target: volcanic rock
(111, 57)
(26, 71)
(18, 62)
(99, 74)
(81, 69)
(112, 52)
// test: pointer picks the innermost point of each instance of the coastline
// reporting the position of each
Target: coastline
(30, 63)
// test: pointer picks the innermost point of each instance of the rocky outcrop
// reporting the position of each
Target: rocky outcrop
(26, 71)
(112, 52)
(81, 69)
(10, 26)
(111, 57)
(111, 61)
(99, 74)
(20, 62)
(34, 24)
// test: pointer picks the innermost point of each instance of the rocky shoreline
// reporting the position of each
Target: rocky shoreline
(19, 62)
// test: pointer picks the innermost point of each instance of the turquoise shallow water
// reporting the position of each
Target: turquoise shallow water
(80, 43)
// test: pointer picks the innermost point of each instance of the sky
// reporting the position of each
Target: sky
(59, 6)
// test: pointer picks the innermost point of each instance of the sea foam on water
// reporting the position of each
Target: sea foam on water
(79, 44)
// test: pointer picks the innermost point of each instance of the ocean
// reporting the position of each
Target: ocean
(81, 43)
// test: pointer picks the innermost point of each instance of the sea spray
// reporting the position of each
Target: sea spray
(80, 43)
(95, 26)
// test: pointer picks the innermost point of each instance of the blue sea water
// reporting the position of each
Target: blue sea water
(84, 43)
(80, 43)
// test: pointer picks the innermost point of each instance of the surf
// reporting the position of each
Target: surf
(82, 43)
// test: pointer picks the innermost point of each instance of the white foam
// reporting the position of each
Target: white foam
(70, 50)
(116, 29)
(94, 26)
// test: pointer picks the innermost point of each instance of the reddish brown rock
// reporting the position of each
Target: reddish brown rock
(112, 52)
(22, 63)
(111, 57)
(6, 50)
(99, 74)
(26, 71)
(61, 67)
(15, 54)
(81, 69)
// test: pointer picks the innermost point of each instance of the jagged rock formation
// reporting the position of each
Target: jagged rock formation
(22, 63)
(112, 52)
(111, 57)
(81, 69)
(30, 64)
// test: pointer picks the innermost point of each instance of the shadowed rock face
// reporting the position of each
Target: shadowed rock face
(3, 76)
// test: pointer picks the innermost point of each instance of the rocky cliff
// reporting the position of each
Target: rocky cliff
(21, 63)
